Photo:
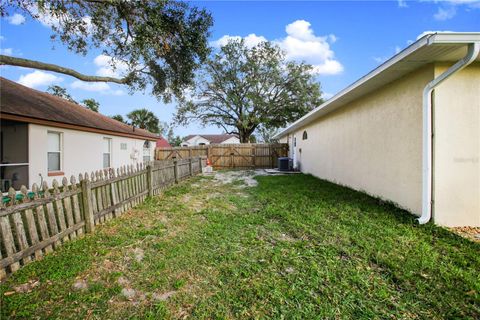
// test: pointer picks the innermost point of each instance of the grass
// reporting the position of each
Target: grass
(293, 247)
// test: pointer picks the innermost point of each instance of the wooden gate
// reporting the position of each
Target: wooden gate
(233, 156)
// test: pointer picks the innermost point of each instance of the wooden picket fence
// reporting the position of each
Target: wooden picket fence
(35, 223)
(230, 156)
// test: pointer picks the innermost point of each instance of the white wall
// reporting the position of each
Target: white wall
(232, 140)
(81, 152)
(456, 189)
(195, 141)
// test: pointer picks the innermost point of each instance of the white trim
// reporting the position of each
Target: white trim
(110, 142)
(60, 151)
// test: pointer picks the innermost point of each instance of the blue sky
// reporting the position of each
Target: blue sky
(343, 40)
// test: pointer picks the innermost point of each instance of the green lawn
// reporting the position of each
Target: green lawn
(292, 247)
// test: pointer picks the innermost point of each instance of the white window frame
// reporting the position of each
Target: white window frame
(60, 152)
(110, 141)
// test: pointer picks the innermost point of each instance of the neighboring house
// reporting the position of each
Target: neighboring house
(163, 143)
(206, 139)
(377, 134)
(45, 137)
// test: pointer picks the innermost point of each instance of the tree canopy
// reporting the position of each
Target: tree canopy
(60, 92)
(156, 43)
(145, 119)
(243, 88)
(173, 140)
(118, 117)
(91, 104)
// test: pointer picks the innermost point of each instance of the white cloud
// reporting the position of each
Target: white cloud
(90, 86)
(100, 87)
(402, 3)
(16, 19)
(448, 8)
(250, 41)
(332, 38)
(2, 38)
(300, 44)
(38, 78)
(6, 51)
(106, 69)
(381, 60)
(445, 13)
(117, 92)
(467, 2)
(327, 95)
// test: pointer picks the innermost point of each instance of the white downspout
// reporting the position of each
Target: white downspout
(473, 50)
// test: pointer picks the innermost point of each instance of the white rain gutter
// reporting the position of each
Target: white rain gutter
(472, 53)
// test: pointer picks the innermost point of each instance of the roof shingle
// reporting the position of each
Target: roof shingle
(16, 99)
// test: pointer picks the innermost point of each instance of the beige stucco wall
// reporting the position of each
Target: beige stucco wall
(82, 152)
(373, 144)
(457, 148)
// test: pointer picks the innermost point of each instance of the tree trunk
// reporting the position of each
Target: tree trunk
(244, 134)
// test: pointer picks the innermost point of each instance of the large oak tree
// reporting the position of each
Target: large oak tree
(243, 88)
(159, 43)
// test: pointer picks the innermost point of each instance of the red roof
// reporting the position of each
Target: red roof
(33, 105)
(163, 143)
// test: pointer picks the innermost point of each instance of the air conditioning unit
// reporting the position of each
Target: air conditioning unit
(285, 164)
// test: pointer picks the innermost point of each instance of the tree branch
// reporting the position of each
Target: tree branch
(20, 62)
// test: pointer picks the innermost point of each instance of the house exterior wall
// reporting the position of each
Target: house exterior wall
(373, 144)
(81, 152)
(232, 140)
(456, 165)
(195, 141)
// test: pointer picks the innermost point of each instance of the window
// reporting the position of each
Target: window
(54, 151)
(305, 135)
(107, 152)
(13, 154)
(123, 146)
(146, 151)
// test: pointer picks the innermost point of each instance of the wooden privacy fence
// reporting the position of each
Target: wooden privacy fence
(235, 156)
(35, 223)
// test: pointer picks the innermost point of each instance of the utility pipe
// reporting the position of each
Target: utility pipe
(472, 53)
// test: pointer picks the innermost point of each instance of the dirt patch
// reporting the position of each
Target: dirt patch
(162, 296)
(80, 285)
(245, 178)
(471, 233)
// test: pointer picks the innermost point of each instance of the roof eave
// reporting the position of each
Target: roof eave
(429, 39)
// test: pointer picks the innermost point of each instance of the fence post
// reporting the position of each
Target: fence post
(150, 180)
(175, 170)
(87, 205)
(200, 164)
(190, 168)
